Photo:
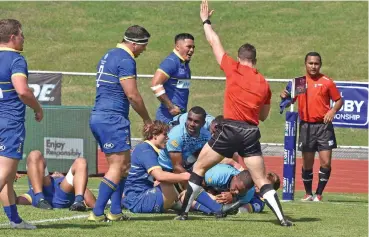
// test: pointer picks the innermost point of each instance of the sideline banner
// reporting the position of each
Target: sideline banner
(46, 87)
(354, 112)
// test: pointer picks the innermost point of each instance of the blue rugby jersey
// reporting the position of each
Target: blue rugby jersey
(257, 203)
(116, 65)
(11, 64)
(144, 159)
(180, 141)
(178, 84)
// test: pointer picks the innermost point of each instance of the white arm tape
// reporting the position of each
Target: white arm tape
(160, 93)
(46, 172)
(154, 88)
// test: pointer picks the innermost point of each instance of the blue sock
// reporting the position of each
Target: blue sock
(12, 214)
(106, 189)
(79, 198)
(116, 198)
(202, 208)
(206, 200)
(39, 196)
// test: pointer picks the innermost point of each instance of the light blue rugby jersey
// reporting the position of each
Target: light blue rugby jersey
(219, 177)
(178, 84)
(11, 64)
(180, 141)
(181, 118)
(116, 65)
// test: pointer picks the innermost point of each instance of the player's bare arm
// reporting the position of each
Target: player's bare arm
(163, 176)
(26, 95)
(264, 112)
(130, 89)
(210, 34)
(176, 158)
(157, 87)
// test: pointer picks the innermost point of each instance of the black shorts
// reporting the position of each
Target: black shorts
(316, 137)
(236, 136)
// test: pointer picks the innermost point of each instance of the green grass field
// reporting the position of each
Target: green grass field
(72, 36)
(338, 215)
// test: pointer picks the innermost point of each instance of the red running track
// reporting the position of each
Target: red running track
(348, 176)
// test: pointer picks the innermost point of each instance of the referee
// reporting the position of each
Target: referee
(316, 128)
(246, 101)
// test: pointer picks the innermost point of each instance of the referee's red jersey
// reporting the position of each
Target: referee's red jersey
(246, 91)
(315, 103)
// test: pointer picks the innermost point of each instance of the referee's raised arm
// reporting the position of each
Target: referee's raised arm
(210, 34)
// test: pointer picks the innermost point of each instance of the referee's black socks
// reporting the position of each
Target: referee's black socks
(307, 179)
(324, 174)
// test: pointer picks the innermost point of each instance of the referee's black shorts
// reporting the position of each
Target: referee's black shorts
(236, 136)
(316, 137)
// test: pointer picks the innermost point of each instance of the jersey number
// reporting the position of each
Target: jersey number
(100, 72)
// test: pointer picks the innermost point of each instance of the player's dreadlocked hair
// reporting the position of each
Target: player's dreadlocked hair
(155, 128)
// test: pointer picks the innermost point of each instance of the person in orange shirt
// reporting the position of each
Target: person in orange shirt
(316, 129)
(246, 101)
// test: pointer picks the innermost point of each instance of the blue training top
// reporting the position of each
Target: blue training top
(11, 64)
(180, 141)
(116, 65)
(220, 176)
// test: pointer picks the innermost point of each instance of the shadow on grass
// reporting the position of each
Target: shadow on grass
(276, 222)
(347, 201)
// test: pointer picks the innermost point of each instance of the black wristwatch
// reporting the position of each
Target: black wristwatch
(207, 21)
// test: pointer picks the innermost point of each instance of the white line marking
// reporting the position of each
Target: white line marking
(53, 220)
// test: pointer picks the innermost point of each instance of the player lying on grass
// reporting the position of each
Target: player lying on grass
(56, 191)
(140, 193)
(228, 185)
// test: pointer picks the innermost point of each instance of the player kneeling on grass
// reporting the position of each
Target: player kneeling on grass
(140, 194)
(56, 191)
